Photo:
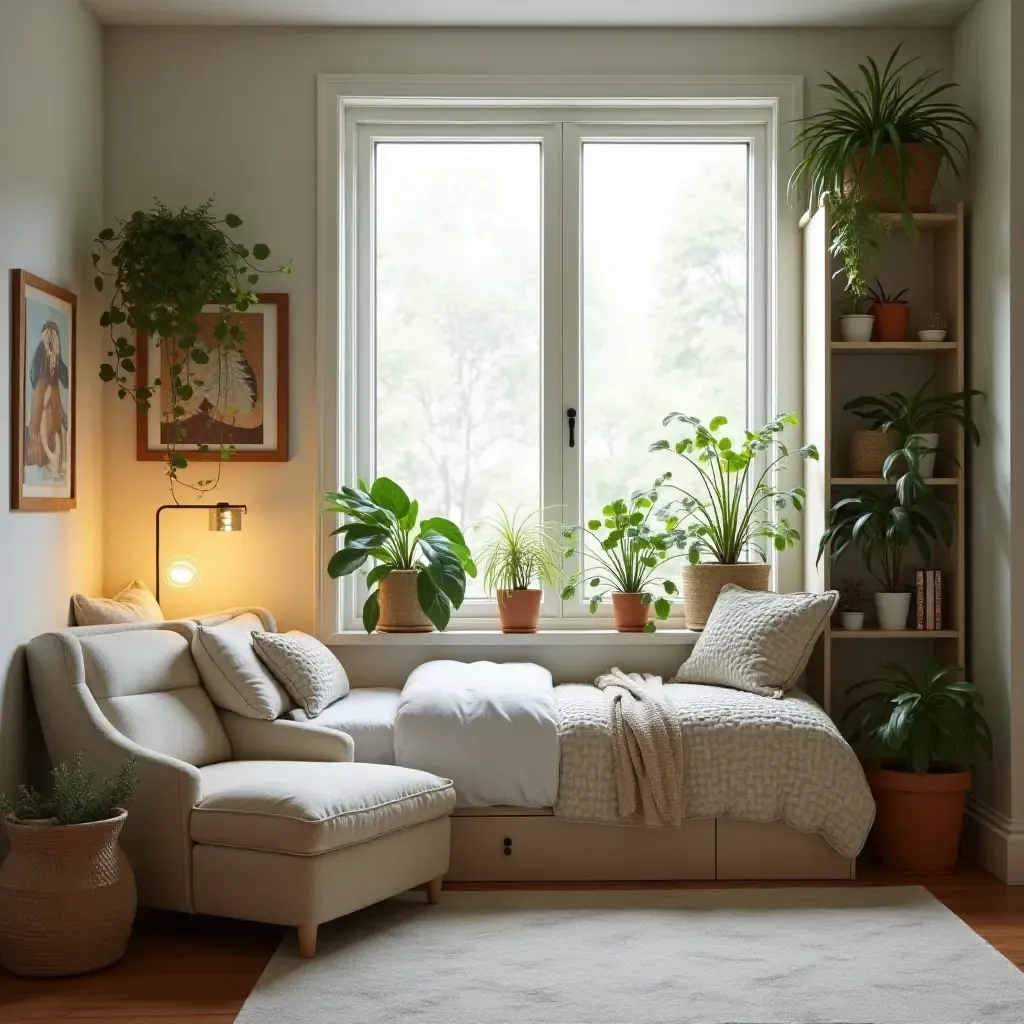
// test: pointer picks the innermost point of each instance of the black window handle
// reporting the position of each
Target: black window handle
(571, 414)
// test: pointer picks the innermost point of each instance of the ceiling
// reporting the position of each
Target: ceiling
(547, 13)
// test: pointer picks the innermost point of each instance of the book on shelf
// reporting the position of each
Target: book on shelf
(919, 599)
(928, 599)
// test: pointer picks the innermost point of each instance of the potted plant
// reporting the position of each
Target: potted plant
(67, 892)
(852, 602)
(924, 731)
(420, 573)
(738, 513)
(625, 561)
(881, 528)
(521, 552)
(166, 266)
(891, 313)
(856, 231)
(933, 328)
(908, 420)
(886, 136)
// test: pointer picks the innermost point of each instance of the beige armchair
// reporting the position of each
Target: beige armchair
(260, 820)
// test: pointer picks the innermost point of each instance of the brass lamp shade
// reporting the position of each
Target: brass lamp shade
(225, 518)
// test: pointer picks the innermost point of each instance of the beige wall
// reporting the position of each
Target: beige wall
(50, 208)
(231, 113)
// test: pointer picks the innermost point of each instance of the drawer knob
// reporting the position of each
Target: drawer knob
(508, 846)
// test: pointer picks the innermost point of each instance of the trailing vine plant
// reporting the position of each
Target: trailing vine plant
(166, 265)
(856, 233)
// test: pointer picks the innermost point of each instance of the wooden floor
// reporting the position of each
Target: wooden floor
(184, 970)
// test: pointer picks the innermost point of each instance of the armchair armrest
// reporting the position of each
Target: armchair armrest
(255, 739)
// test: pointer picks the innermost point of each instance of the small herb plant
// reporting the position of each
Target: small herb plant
(857, 232)
(738, 506)
(166, 266)
(521, 552)
(78, 795)
(623, 552)
(924, 723)
(882, 298)
(934, 321)
(852, 596)
(383, 526)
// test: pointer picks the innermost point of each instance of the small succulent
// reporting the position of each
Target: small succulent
(934, 321)
(882, 298)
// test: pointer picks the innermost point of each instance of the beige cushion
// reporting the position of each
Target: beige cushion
(300, 808)
(135, 603)
(307, 669)
(234, 677)
(757, 641)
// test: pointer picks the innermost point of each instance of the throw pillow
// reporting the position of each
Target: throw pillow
(305, 667)
(234, 677)
(135, 603)
(758, 641)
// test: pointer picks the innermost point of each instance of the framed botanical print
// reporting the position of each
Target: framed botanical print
(43, 389)
(242, 400)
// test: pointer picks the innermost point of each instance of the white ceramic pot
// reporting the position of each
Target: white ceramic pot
(933, 335)
(856, 326)
(892, 610)
(851, 620)
(928, 461)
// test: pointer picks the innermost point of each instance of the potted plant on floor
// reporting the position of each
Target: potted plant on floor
(881, 528)
(522, 551)
(420, 571)
(856, 232)
(891, 313)
(729, 511)
(852, 602)
(626, 560)
(67, 892)
(924, 731)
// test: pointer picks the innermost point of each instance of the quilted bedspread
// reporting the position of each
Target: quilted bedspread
(745, 756)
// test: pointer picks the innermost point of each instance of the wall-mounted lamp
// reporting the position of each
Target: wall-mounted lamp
(183, 571)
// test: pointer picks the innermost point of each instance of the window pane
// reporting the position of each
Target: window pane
(665, 323)
(458, 265)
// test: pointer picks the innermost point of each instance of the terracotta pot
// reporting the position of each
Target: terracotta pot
(67, 898)
(519, 610)
(892, 321)
(878, 193)
(400, 610)
(868, 451)
(918, 818)
(703, 582)
(630, 612)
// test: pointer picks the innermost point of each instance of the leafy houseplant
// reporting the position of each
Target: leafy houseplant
(852, 602)
(626, 560)
(67, 892)
(733, 508)
(891, 313)
(420, 574)
(856, 233)
(925, 731)
(521, 552)
(167, 265)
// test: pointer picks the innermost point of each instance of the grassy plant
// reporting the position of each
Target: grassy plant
(521, 552)
(856, 233)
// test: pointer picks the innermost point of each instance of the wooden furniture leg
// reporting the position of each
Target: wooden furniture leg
(434, 891)
(307, 940)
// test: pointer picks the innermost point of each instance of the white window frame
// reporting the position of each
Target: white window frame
(561, 114)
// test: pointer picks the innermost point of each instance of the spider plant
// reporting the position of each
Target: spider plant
(928, 722)
(856, 233)
(889, 107)
(883, 298)
(522, 551)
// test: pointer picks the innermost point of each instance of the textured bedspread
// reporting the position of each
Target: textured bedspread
(745, 756)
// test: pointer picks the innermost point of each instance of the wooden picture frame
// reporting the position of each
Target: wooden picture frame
(44, 389)
(264, 437)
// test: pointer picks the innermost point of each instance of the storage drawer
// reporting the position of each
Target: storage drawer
(775, 850)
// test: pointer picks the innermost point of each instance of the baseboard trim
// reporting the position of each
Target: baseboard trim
(995, 841)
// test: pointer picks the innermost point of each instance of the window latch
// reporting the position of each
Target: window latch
(571, 416)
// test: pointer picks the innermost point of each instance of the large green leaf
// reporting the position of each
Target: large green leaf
(371, 612)
(433, 601)
(387, 494)
(364, 537)
(344, 562)
(446, 528)
(378, 573)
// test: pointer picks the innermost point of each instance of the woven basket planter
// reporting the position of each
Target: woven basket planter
(877, 187)
(400, 610)
(868, 451)
(67, 898)
(703, 582)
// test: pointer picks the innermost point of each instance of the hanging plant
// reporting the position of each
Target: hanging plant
(166, 265)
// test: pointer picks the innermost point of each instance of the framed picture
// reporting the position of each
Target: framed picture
(243, 400)
(43, 388)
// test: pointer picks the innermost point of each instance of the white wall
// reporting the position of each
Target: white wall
(51, 127)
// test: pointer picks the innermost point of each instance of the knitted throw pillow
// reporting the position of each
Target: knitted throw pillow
(307, 669)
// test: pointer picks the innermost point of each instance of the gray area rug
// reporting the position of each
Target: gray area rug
(706, 956)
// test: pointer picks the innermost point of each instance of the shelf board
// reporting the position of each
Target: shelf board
(925, 221)
(892, 634)
(872, 481)
(890, 347)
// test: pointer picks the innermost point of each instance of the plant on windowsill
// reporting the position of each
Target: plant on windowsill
(924, 732)
(166, 266)
(420, 573)
(626, 560)
(67, 892)
(856, 233)
(881, 527)
(739, 511)
(521, 551)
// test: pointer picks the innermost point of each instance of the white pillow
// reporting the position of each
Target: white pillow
(232, 674)
(305, 668)
(757, 641)
(135, 603)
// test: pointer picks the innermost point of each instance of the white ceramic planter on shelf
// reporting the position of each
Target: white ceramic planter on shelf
(892, 610)
(851, 621)
(932, 335)
(928, 461)
(856, 326)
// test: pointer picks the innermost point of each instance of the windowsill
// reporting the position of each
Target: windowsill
(495, 638)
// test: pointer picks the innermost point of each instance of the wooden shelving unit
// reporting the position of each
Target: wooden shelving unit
(931, 266)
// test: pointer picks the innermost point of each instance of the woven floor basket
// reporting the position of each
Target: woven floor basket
(868, 451)
(702, 583)
(400, 610)
(67, 898)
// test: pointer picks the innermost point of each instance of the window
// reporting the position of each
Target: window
(502, 266)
